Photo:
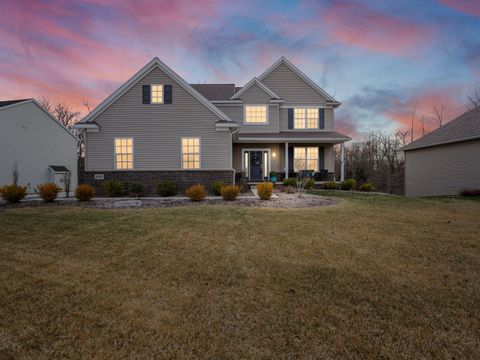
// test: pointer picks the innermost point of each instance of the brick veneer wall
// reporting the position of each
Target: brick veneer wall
(149, 179)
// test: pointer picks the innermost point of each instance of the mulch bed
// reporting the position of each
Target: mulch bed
(281, 200)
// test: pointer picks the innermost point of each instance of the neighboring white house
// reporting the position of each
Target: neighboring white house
(35, 142)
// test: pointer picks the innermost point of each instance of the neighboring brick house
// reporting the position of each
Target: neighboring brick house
(156, 126)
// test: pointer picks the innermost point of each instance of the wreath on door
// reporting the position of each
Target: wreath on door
(256, 160)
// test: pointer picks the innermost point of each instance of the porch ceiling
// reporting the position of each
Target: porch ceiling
(330, 137)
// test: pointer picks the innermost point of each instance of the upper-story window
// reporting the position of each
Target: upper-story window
(305, 118)
(256, 114)
(190, 153)
(156, 94)
(124, 153)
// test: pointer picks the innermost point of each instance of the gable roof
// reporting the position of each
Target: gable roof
(463, 128)
(300, 74)
(154, 63)
(215, 92)
(12, 103)
(257, 82)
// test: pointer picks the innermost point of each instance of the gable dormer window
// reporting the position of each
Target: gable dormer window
(256, 114)
(156, 94)
(305, 118)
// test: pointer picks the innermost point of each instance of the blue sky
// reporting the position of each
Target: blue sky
(378, 57)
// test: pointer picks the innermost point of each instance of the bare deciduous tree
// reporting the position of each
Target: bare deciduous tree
(67, 181)
(473, 100)
(15, 173)
(438, 112)
(378, 159)
(422, 123)
(61, 111)
(415, 108)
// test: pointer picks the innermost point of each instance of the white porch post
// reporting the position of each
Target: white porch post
(342, 162)
(286, 160)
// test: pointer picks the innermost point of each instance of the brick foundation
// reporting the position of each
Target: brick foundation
(183, 179)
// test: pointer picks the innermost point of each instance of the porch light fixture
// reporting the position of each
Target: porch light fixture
(274, 154)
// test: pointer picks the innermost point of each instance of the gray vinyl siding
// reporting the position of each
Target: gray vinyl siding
(291, 88)
(255, 95)
(157, 130)
(443, 170)
(32, 139)
(278, 162)
(284, 120)
(236, 113)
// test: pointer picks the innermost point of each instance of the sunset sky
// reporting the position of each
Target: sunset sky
(377, 57)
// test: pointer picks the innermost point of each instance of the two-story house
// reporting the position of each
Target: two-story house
(156, 126)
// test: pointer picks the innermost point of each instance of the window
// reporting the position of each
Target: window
(305, 118)
(124, 153)
(305, 158)
(157, 94)
(190, 153)
(256, 114)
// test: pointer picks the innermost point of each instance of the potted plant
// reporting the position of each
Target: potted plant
(273, 176)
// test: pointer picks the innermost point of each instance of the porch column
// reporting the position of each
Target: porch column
(286, 160)
(342, 162)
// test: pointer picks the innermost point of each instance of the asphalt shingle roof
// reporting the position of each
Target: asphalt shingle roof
(465, 127)
(11, 102)
(215, 91)
(296, 134)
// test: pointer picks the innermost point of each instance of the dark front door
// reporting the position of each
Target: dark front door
(256, 165)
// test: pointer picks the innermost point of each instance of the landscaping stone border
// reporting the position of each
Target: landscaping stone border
(282, 200)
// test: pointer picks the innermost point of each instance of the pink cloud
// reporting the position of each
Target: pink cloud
(470, 7)
(359, 25)
(400, 111)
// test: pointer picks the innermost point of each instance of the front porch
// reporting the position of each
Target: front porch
(256, 162)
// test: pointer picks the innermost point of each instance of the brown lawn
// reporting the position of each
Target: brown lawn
(376, 276)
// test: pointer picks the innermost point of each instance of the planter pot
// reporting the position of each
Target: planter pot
(273, 178)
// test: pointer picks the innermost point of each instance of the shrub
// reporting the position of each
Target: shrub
(137, 188)
(84, 192)
(48, 191)
(264, 190)
(309, 183)
(290, 182)
(13, 193)
(348, 184)
(167, 188)
(113, 188)
(330, 185)
(196, 192)
(217, 187)
(230, 193)
(470, 192)
(366, 187)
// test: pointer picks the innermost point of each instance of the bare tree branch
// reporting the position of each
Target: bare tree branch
(438, 112)
(415, 107)
(473, 99)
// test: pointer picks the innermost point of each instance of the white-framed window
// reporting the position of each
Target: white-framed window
(124, 153)
(256, 114)
(305, 118)
(156, 94)
(191, 153)
(305, 158)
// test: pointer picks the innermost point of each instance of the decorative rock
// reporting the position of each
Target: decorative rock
(127, 203)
